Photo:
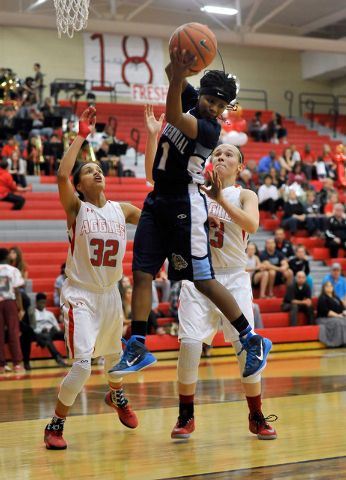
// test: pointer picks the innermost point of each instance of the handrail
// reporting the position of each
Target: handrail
(310, 105)
(304, 96)
(334, 115)
(289, 96)
(263, 98)
(339, 103)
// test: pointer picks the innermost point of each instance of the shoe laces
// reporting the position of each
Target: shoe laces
(183, 421)
(262, 420)
(127, 409)
(127, 352)
(251, 355)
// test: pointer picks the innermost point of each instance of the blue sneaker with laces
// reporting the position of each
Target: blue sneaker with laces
(257, 349)
(135, 357)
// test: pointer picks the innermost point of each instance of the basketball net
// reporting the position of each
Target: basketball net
(71, 15)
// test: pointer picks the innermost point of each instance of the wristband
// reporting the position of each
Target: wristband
(84, 129)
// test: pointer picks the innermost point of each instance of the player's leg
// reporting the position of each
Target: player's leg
(148, 257)
(188, 361)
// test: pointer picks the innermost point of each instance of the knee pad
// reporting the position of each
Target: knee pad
(110, 361)
(189, 357)
(74, 381)
(241, 364)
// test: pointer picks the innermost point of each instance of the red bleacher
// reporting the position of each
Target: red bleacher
(327, 121)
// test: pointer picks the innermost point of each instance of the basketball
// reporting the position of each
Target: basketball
(198, 41)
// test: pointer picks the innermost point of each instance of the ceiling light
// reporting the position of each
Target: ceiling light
(220, 10)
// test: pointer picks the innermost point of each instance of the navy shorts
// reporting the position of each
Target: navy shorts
(174, 226)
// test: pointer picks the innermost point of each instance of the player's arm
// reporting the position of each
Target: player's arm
(168, 71)
(69, 201)
(131, 213)
(174, 110)
(153, 128)
(247, 217)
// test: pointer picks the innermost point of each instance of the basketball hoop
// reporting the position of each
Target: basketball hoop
(71, 15)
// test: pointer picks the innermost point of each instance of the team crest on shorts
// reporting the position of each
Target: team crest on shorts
(178, 262)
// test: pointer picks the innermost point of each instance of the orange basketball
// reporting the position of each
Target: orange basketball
(198, 41)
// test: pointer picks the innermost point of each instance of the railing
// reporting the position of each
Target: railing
(259, 96)
(334, 115)
(323, 99)
(340, 102)
(289, 96)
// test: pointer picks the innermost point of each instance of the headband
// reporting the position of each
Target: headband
(216, 92)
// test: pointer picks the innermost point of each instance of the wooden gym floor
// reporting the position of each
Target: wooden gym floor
(306, 389)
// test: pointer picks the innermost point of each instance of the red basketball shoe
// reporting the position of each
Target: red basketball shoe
(259, 426)
(183, 428)
(53, 437)
(126, 415)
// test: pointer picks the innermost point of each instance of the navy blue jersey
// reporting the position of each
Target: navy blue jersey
(180, 159)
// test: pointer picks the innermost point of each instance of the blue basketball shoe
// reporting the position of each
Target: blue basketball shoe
(257, 349)
(135, 357)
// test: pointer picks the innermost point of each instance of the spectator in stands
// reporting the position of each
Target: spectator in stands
(331, 316)
(295, 215)
(321, 168)
(28, 93)
(295, 154)
(162, 284)
(312, 210)
(307, 187)
(258, 130)
(298, 299)
(277, 266)
(296, 175)
(10, 115)
(58, 284)
(38, 124)
(16, 260)
(47, 108)
(47, 329)
(286, 160)
(300, 263)
(336, 231)
(309, 158)
(333, 199)
(8, 187)
(152, 319)
(276, 131)
(16, 167)
(268, 197)
(32, 156)
(325, 192)
(27, 327)
(338, 281)
(173, 307)
(245, 181)
(252, 167)
(9, 147)
(329, 161)
(123, 283)
(103, 158)
(258, 272)
(11, 310)
(283, 177)
(282, 244)
(53, 151)
(38, 82)
(266, 162)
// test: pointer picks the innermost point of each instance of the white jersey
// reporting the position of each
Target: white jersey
(10, 278)
(97, 249)
(228, 243)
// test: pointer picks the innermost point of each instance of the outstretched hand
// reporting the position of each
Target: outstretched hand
(152, 125)
(179, 68)
(215, 189)
(87, 122)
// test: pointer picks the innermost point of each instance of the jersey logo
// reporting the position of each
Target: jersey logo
(178, 262)
(202, 44)
(182, 215)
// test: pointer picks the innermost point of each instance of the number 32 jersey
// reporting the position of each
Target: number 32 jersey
(228, 243)
(97, 249)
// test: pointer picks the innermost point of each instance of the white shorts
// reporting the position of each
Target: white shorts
(199, 317)
(93, 321)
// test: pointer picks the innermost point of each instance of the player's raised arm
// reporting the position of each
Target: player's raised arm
(153, 128)
(131, 213)
(174, 111)
(68, 199)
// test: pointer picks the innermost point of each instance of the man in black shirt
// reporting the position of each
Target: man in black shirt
(298, 299)
(277, 266)
(336, 231)
(295, 215)
(53, 150)
(282, 245)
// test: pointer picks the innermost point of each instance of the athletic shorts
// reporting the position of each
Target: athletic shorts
(198, 316)
(93, 321)
(174, 227)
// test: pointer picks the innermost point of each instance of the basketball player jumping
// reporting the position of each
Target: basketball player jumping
(174, 220)
(90, 298)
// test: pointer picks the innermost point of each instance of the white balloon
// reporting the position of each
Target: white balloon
(235, 138)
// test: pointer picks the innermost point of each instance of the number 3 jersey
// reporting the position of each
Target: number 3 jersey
(228, 243)
(97, 249)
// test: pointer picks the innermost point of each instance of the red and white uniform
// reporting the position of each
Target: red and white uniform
(198, 316)
(90, 298)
